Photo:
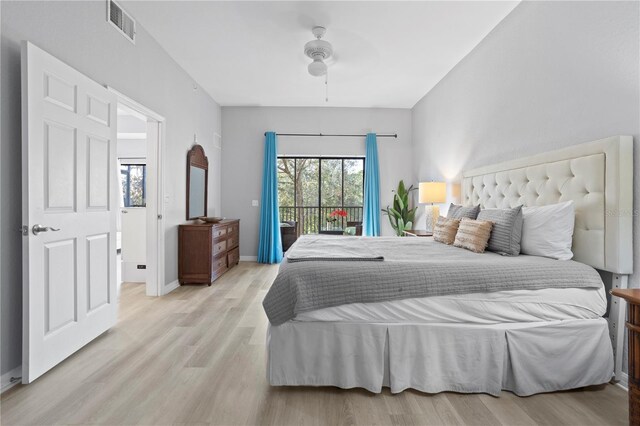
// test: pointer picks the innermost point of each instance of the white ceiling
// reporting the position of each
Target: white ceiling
(387, 54)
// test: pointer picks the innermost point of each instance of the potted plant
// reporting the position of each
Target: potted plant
(401, 216)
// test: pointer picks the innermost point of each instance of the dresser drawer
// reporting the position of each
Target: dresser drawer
(219, 247)
(219, 262)
(219, 231)
(233, 228)
(221, 270)
(233, 240)
(233, 256)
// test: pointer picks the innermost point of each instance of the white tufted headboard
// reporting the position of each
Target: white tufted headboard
(597, 176)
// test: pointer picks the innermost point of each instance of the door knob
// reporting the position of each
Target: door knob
(39, 228)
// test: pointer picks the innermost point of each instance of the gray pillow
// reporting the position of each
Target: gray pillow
(507, 229)
(458, 212)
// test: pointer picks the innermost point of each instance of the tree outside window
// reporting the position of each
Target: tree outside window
(311, 188)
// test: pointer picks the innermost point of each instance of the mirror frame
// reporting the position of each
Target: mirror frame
(196, 158)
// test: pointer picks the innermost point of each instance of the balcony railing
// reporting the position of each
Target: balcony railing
(312, 219)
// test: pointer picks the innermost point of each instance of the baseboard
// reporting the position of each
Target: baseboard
(168, 288)
(624, 381)
(248, 258)
(5, 379)
(131, 273)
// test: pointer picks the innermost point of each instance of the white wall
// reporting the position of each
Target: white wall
(134, 244)
(130, 123)
(78, 34)
(550, 74)
(132, 149)
(243, 151)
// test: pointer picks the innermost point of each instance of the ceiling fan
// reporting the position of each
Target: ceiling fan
(319, 50)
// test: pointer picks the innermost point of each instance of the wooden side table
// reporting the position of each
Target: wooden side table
(632, 296)
(418, 233)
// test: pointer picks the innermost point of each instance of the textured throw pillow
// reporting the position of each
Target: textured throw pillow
(473, 234)
(458, 212)
(507, 229)
(445, 230)
(548, 230)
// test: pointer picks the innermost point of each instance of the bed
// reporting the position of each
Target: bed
(503, 330)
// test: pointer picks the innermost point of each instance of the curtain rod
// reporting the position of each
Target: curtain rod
(395, 135)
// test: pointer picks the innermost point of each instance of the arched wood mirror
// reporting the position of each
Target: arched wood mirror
(197, 182)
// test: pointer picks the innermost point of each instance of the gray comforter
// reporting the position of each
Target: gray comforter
(412, 267)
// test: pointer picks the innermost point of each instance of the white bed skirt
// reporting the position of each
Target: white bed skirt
(524, 358)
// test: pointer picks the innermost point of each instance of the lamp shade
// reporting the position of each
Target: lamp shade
(432, 192)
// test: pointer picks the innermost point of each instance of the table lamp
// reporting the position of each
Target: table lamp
(430, 193)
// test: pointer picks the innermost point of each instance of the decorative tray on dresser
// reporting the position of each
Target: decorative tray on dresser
(207, 250)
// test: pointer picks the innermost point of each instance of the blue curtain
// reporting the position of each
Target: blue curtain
(270, 244)
(371, 209)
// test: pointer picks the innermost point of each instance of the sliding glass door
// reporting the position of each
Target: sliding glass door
(322, 194)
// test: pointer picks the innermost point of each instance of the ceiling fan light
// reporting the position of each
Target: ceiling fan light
(317, 68)
(320, 48)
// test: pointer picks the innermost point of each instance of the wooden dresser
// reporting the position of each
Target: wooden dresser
(207, 250)
(632, 296)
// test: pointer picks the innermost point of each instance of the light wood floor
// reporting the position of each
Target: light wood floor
(197, 356)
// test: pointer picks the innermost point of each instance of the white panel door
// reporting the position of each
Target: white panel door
(69, 211)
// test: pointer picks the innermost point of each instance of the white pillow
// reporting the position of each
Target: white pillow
(548, 230)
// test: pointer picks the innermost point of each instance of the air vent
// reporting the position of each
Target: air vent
(121, 20)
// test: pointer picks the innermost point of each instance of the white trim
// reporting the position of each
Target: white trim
(128, 112)
(131, 273)
(170, 287)
(155, 207)
(139, 160)
(5, 380)
(124, 99)
(623, 382)
(248, 258)
(132, 136)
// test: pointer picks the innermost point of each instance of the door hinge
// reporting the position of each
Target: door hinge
(24, 230)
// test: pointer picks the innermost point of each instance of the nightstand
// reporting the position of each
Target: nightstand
(418, 233)
(632, 296)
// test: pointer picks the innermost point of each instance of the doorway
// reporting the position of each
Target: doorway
(70, 208)
(140, 241)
